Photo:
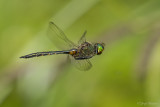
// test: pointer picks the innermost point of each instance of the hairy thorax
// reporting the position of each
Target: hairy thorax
(84, 51)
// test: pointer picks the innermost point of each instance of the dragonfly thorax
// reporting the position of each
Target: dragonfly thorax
(85, 51)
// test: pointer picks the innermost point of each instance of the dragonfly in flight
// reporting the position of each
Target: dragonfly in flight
(79, 55)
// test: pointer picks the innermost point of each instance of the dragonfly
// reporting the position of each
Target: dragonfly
(79, 54)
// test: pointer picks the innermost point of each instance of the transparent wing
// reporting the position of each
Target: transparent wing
(82, 65)
(58, 37)
(83, 38)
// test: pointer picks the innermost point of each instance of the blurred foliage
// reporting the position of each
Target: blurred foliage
(127, 74)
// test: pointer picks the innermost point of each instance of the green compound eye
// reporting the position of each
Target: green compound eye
(100, 49)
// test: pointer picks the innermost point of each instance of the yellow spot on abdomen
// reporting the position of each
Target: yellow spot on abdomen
(72, 52)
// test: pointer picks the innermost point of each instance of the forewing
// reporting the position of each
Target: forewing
(58, 37)
(82, 65)
(83, 38)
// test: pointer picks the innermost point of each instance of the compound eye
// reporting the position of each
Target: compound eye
(100, 49)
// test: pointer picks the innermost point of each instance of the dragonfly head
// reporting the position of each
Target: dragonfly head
(99, 47)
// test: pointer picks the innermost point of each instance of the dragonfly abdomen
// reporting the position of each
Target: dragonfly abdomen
(44, 54)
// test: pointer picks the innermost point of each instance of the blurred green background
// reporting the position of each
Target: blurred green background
(127, 74)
